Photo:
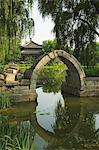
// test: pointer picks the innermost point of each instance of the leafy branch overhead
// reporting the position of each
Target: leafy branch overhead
(76, 22)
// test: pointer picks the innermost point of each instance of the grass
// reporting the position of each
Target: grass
(23, 67)
(55, 67)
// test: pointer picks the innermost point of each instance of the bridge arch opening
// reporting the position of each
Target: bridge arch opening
(74, 82)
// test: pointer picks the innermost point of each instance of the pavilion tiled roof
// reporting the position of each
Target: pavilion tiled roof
(31, 48)
(31, 45)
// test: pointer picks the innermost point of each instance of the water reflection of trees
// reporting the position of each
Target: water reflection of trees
(75, 125)
(52, 79)
(66, 117)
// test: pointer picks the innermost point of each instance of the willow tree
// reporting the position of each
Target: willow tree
(15, 23)
(76, 22)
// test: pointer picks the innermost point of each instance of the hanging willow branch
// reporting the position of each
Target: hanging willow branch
(15, 23)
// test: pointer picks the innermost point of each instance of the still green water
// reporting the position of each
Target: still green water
(55, 122)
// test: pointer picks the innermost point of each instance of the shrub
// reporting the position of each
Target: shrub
(92, 71)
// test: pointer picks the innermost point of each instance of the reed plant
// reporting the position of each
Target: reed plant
(5, 101)
(14, 138)
(17, 143)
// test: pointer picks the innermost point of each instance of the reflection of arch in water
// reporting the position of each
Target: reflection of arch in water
(75, 75)
(29, 114)
(52, 138)
(85, 107)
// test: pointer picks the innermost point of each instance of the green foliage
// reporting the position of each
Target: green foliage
(13, 56)
(75, 22)
(23, 67)
(30, 60)
(5, 101)
(1, 68)
(66, 117)
(75, 124)
(92, 71)
(49, 46)
(52, 80)
(88, 55)
(15, 23)
(97, 49)
(54, 62)
(52, 76)
(13, 138)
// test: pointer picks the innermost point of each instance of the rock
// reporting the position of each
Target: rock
(24, 95)
(9, 71)
(12, 83)
(14, 71)
(25, 82)
(13, 66)
(10, 75)
(1, 83)
(2, 77)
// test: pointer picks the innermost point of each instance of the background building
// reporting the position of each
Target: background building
(31, 49)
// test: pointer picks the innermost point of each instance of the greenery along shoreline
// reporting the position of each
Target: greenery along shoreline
(91, 71)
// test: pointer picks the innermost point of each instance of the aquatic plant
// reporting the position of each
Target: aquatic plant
(14, 138)
(5, 101)
(17, 143)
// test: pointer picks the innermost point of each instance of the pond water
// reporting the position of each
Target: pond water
(55, 122)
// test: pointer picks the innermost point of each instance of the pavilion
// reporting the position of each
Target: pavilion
(31, 49)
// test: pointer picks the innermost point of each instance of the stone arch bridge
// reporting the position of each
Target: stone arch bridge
(76, 82)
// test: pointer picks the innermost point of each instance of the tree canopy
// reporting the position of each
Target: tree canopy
(76, 22)
(15, 23)
(49, 45)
